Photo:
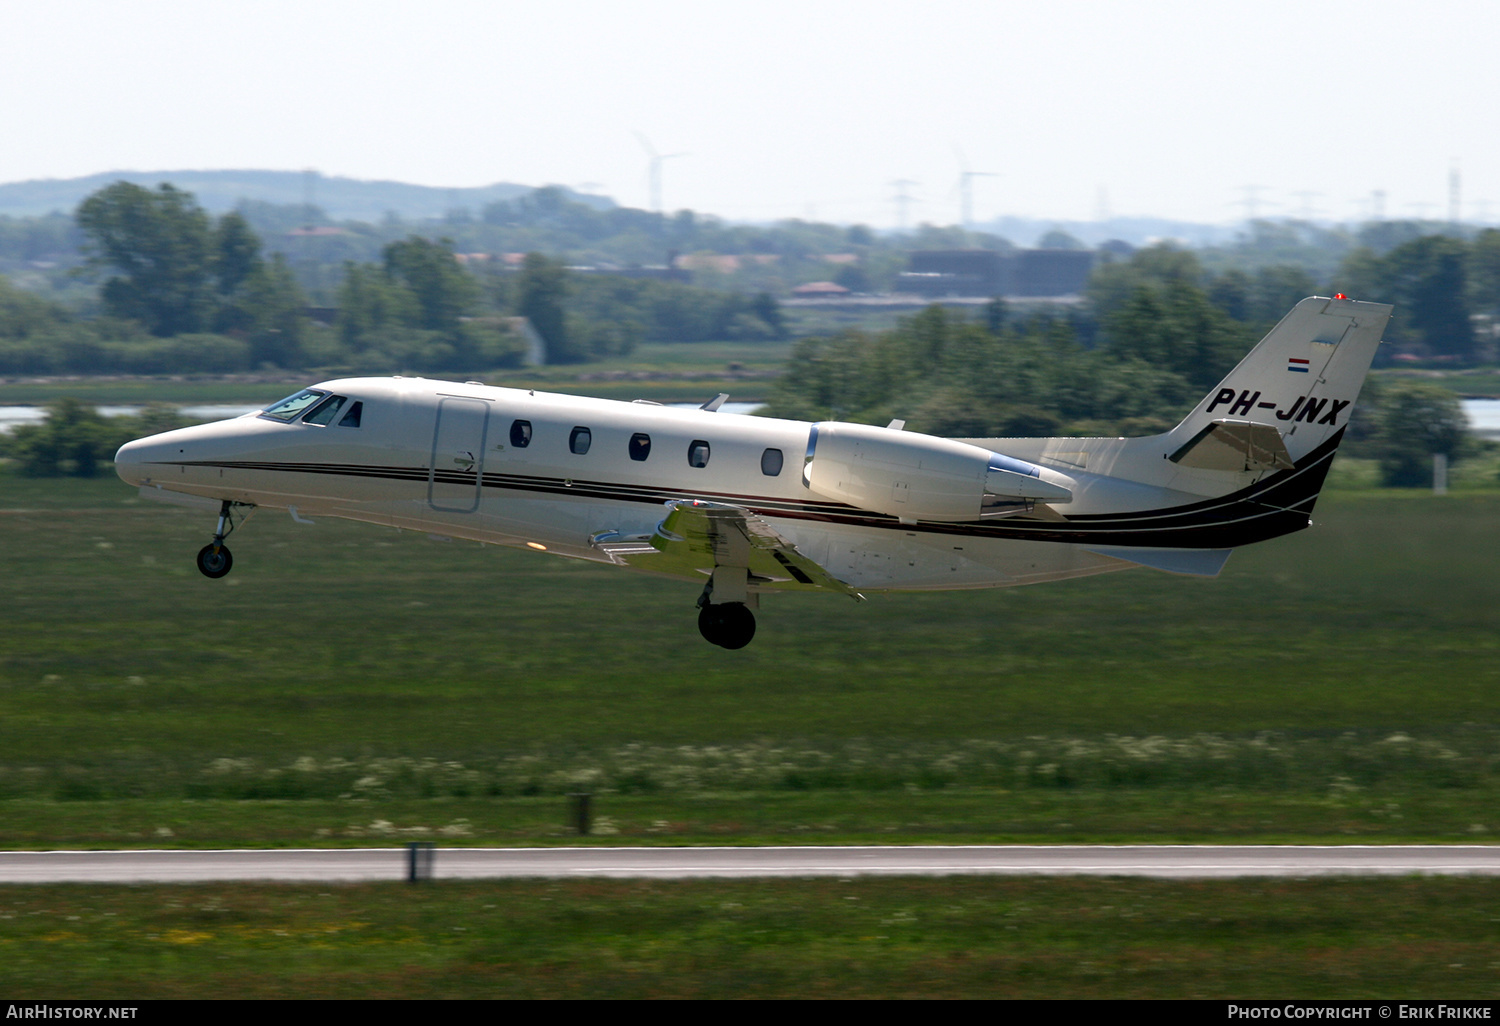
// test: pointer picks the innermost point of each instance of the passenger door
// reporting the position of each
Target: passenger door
(456, 472)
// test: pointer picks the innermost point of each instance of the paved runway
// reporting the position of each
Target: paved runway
(1172, 861)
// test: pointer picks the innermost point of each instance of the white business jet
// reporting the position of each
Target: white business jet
(745, 505)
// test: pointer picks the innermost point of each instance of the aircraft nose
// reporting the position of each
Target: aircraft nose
(129, 461)
(138, 462)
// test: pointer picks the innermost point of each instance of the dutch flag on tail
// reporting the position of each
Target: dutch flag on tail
(1297, 364)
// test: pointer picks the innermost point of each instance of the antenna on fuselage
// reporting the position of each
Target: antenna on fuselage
(712, 406)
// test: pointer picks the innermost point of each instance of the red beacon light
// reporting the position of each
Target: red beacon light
(1339, 295)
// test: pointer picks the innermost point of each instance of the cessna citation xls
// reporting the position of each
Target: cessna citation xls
(746, 505)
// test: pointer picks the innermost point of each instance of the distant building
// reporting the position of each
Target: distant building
(819, 289)
(1051, 272)
(658, 272)
(724, 263)
(956, 272)
(984, 272)
(317, 231)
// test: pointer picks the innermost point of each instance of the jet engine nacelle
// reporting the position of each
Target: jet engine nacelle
(922, 477)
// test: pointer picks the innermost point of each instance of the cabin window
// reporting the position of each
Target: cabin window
(640, 446)
(293, 406)
(325, 411)
(770, 462)
(580, 440)
(520, 433)
(351, 419)
(698, 453)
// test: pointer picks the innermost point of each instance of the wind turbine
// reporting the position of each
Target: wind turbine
(903, 200)
(653, 171)
(1306, 211)
(966, 187)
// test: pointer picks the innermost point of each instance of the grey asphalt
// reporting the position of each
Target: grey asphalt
(1169, 861)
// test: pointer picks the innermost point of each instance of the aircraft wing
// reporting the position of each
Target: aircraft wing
(697, 536)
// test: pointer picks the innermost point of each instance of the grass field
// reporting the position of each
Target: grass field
(1475, 382)
(1339, 683)
(864, 938)
(348, 685)
(683, 372)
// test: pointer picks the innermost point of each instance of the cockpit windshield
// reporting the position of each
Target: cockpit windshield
(293, 406)
(324, 412)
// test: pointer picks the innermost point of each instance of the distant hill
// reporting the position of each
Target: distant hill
(221, 191)
(1138, 231)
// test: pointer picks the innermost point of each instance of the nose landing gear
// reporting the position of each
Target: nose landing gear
(214, 559)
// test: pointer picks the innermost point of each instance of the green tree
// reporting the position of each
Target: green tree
(1426, 279)
(23, 314)
(1232, 293)
(1484, 272)
(444, 291)
(277, 320)
(1112, 285)
(369, 302)
(541, 291)
(1416, 422)
(1173, 325)
(236, 253)
(161, 242)
(1059, 239)
(72, 440)
(1428, 285)
(1278, 288)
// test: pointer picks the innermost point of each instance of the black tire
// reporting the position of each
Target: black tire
(728, 624)
(214, 561)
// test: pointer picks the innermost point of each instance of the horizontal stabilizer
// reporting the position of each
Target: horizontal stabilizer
(1197, 562)
(1238, 445)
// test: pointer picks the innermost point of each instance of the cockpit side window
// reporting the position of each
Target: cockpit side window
(325, 411)
(351, 419)
(293, 406)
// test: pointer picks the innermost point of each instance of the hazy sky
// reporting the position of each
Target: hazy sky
(783, 109)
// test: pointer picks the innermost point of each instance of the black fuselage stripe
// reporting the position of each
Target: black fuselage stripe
(1266, 509)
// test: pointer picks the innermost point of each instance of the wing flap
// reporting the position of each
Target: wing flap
(697, 536)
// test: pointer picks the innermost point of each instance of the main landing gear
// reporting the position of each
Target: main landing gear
(728, 623)
(214, 559)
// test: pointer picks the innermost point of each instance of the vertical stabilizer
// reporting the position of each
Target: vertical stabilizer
(1302, 378)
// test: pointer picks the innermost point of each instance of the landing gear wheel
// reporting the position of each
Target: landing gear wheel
(727, 624)
(214, 561)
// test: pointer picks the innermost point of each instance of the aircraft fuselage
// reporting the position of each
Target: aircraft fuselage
(442, 457)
